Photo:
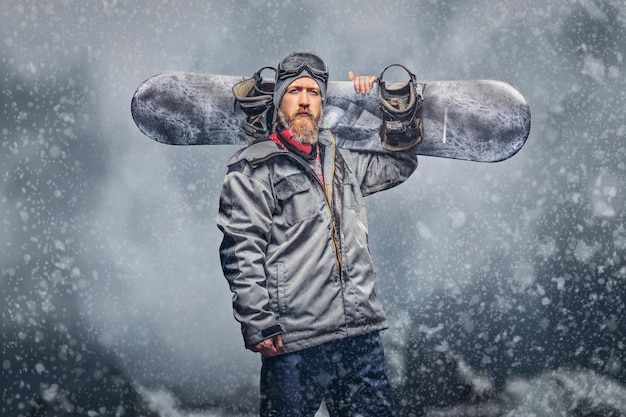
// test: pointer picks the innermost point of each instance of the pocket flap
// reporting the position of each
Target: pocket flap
(291, 185)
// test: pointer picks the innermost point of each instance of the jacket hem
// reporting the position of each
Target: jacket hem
(342, 333)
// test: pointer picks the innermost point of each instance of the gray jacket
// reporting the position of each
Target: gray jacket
(295, 253)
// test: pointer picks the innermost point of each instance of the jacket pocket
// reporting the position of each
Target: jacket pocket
(295, 196)
(281, 287)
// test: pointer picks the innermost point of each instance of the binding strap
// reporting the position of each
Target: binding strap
(254, 97)
(400, 104)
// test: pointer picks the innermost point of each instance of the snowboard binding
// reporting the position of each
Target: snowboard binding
(254, 97)
(401, 104)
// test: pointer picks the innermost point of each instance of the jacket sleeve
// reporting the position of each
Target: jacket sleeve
(245, 216)
(378, 171)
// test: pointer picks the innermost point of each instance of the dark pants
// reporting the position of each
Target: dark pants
(350, 374)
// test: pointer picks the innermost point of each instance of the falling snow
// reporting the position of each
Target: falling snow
(504, 283)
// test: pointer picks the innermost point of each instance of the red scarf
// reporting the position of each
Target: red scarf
(287, 135)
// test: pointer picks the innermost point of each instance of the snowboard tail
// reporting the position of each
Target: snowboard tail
(475, 120)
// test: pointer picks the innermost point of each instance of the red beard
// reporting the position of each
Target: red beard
(305, 128)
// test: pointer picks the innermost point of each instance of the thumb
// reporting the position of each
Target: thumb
(278, 341)
(351, 76)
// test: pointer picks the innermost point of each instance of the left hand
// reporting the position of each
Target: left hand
(363, 83)
(269, 347)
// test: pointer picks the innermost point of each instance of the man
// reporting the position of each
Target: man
(295, 253)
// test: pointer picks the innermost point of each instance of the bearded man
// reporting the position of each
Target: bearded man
(295, 254)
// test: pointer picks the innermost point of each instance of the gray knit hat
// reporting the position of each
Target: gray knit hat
(297, 65)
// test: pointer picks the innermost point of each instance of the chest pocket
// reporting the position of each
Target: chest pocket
(296, 198)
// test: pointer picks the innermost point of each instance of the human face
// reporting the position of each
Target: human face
(301, 109)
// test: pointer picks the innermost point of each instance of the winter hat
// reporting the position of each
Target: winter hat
(297, 65)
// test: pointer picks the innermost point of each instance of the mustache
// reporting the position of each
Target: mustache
(288, 121)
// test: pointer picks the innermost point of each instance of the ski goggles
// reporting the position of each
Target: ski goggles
(296, 63)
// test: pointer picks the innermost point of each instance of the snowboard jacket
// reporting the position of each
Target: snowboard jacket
(295, 251)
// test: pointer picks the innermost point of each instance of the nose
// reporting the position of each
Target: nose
(303, 98)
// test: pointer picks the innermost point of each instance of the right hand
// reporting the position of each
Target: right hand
(363, 83)
(269, 347)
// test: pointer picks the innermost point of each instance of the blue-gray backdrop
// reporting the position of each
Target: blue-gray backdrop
(497, 278)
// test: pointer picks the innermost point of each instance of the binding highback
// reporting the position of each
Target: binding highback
(254, 97)
(400, 104)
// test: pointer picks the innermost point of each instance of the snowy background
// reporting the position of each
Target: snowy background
(505, 283)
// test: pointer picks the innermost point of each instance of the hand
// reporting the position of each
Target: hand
(269, 347)
(363, 83)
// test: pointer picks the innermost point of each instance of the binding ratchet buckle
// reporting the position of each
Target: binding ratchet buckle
(254, 97)
(401, 104)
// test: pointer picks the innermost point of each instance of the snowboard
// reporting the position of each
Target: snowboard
(474, 120)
